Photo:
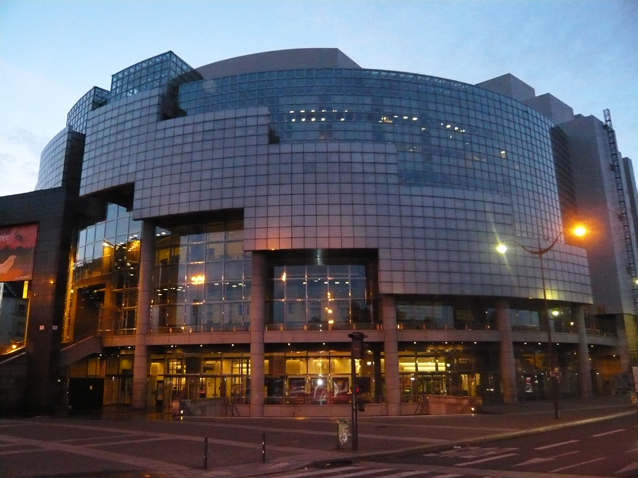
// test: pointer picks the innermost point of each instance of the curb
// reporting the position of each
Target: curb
(353, 457)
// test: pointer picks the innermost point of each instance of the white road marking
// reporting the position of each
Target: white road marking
(403, 474)
(556, 444)
(631, 467)
(14, 424)
(364, 472)
(445, 476)
(244, 427)
(124, 442)
(533, 461)
(469, 452)
(318, 472)
(17, 452)
(608, 433)
(104, 437)
(577, 464)
(485, 459)
(633, 449)
(141, 462)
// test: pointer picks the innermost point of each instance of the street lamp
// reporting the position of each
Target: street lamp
(578, 231)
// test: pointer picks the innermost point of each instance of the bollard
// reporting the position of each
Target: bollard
(263, 449)
(205, 453)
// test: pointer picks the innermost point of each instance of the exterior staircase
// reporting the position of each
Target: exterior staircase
(80, 349)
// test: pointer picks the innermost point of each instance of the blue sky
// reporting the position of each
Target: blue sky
(585, 52)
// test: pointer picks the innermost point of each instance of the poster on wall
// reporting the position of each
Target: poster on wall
(17, 249)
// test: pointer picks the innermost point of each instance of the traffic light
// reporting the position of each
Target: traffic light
(357, 345)
(357, 389)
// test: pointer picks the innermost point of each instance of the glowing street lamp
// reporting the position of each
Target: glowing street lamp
(578, 231)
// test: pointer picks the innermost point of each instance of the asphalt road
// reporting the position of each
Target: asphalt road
(130, 445)
(607, 448)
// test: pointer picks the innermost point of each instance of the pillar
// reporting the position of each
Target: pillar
(257, 326)
(506, 352)
(622, 347)
(145, 292)
(391, 352)
(584, 368)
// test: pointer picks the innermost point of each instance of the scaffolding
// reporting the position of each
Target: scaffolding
(622, 203)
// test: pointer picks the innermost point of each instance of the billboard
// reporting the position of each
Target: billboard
(17, 249)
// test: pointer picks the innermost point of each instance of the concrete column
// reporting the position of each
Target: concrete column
(506, 352)
(584, 368)
(391, 352)
(622, 347)
(257, 326)
(145, 286)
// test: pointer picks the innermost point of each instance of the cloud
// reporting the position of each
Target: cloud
(19, 160)
(22, 138)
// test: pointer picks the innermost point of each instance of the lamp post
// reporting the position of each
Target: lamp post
(540, 252)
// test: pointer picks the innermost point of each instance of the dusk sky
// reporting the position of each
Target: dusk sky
(584, 52)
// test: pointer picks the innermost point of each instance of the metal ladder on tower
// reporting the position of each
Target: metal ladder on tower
(622, 203)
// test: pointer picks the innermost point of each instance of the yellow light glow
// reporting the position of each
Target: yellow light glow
(283, 277)
(501, 248)
(198, 279)
(580, 231)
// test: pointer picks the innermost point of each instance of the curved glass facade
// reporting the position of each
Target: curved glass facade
(446, 133)
(61, 160)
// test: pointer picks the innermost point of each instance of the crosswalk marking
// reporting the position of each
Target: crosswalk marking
(577, 464)
(608, 433)
(318, 472)
(355, 471)
(485, 459)
(533, 461)
(556, 444)
(470, 452)
(403, 474)
(631, 467)
(364, 472)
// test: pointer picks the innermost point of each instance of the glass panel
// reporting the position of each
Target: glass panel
(214, 252)
(233, 290)
(295, 289)
(214, 270)
(317, 288)
(233, 269)
(234, 250)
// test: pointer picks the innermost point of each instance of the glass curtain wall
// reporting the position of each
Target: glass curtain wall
(202, 279)
(450, 315)
(319, 297)
(105, 274)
